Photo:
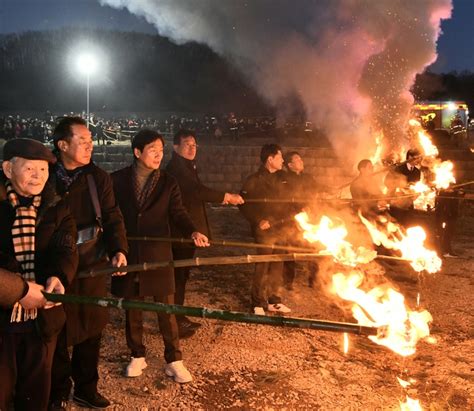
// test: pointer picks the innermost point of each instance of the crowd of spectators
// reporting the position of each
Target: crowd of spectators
(212, 127)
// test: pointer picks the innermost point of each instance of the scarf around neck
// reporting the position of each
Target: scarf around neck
(23, 238)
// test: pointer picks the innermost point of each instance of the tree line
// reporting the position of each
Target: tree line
(140, 72)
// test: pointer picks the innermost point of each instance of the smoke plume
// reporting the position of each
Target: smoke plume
(350, 62)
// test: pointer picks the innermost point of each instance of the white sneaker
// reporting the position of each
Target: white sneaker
(278, 308)
(135, 367)
(178, 371)
(258, 311)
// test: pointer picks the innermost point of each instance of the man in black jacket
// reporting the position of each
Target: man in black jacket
(195, 195)
(268, 222)
(38, 242)
(301, 185)
(150, 199)
(411, 168)
(399, 180)
(83, 331)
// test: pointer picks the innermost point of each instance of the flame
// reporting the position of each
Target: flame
(332, 235)
(410, 405)
(443, 174)
(429, 149)
(346, 343)
(426, 198)
(410, 243)
(414, 123)
(403, 383)
(443, 177)
(377, 157)
(383, 307)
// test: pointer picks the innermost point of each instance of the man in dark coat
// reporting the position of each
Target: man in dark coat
(38, 242)
(195, 195)
(150, 199)
(399, 179)
(411, 168)
(83, 330)
(365, 188)
(301, 185)
(268, 222)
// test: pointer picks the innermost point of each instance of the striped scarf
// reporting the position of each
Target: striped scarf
(23, 237)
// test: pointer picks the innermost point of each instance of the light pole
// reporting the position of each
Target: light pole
(87, 65)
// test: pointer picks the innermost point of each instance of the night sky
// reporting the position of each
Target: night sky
(454, 46)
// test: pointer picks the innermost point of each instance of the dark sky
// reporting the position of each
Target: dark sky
(454, 46)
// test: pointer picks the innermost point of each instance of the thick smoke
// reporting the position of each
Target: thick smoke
(350, 62)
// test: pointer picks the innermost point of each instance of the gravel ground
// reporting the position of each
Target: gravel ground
(240, 366)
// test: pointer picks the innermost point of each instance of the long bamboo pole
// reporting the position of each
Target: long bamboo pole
(201, 261)
(213, 313)
(225, 243)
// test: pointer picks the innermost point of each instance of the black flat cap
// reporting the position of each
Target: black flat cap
(27, 148)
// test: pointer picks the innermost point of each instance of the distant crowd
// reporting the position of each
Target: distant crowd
(212, 127)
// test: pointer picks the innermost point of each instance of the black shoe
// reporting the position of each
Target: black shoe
(185, 322)
(96, 400)
(57, 405)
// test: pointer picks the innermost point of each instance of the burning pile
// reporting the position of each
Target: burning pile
(385, 308)
(442, 171)
(381, 306)
(410, 243)
(332, 235)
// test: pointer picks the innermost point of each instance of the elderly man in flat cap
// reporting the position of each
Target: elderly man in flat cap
(38, 245)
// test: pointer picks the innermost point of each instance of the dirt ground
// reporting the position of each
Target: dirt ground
(240, 366)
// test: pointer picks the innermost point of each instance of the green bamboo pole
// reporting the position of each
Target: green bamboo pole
(202, 261)
(213, 313)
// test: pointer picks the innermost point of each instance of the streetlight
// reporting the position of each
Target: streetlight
(87, 64)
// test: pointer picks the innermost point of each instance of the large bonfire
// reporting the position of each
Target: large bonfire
(400, 326)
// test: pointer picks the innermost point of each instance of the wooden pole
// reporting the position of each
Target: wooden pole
(198, 261)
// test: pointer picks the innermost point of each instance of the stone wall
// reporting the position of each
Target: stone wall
(226, 167)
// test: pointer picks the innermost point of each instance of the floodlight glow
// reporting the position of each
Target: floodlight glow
(451, 106)
(87, 63)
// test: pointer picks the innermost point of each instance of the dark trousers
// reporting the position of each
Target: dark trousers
(289, 272)
(25, 370)
(267, 279)
(81, 367)
(181, 275)
(168, 329)
(446, 229)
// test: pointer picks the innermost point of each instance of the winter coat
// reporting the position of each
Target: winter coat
(195, 195)
(162, 207)
(55, 243)
(85, 321)
(261, 185)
